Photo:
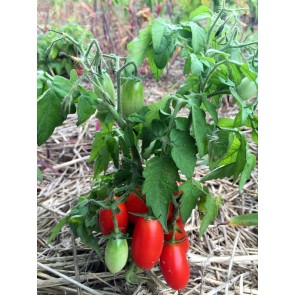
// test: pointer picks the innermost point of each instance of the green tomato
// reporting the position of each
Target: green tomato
(132, 97)
(247, 89)
(116, 254)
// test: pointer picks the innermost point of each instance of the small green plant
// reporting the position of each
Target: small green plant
(154, 148)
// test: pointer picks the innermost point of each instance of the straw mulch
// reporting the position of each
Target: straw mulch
(225, 261)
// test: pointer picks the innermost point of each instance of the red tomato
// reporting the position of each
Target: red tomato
(79, 70)
(105, 219)
(135, 205)
(180, 234)
(174, 266)
(147, 242)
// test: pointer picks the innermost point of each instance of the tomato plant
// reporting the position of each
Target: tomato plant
(174, 266)
(106, 221)
(147, 242)
(116, 254)
(158, 146)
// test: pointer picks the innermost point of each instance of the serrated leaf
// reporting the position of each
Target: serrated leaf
(196, 65)
(160, 176)
(250, 165)
(61, 86)
(210, 108)
(183, 151)
(245, 69)
(220, 172)
(97, 144)
(211, 211)
(73, 76)
(218, 146)
(191, 192)
(87, 106)
(157, 73)
(113, 146)
(198, 37)
(182, 123)
(225, 122)
(200, 13)
(139, 47)
(244, 220)
(163, 43)
(154, 110)
(200, 128)
(57, 228)
(102, 160)
(49, 115)
(241, 157)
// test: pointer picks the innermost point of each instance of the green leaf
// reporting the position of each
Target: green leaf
(241, 157)
(198, 37)
(73, 76)
(157, 73)
(225, 122)
(39, 175)
(182, 123)
(163, 43)
(113, 147)
(200, 13)
(250, 165)
(218, 146)
(200, 129)
(183, 151)
(57, 228)
(128, 136)
(139, 46)
(97, 144)
(234, 72)
(211, 211)
(245, 69)
(192, 191)
(61, 86)
(88, 239)
(87, 106)
(160, 176)
(220, 172)
(244, 220)
(102, 160)
(196, 65)
(154, 110)
(49, 115)
(210, 108)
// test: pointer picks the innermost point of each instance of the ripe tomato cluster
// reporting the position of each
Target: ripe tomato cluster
(150, 243)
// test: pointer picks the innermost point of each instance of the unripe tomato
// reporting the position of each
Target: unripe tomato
(246, 89)
(174, 266)
(180, 234)
(147, 242)
(135, 205)
(105, 219)
(108, 87)
(132, 97)
(116, 254)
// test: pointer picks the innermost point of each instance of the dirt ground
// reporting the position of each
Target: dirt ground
(225, 261)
